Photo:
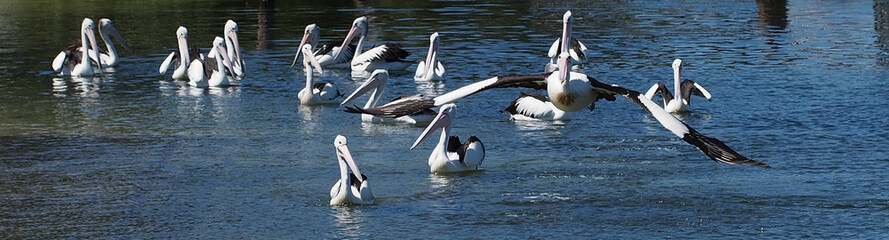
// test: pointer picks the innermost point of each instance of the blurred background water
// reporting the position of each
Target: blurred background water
(130, 154)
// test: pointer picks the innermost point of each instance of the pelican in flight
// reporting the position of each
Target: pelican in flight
(75, 60)
(210, 71)
(533, 106)
(352, 187)
(570, 92)
(233, 49)
(450, 155)
(107, 31)
(377, 83)
(577, 50)
(316, 93)
(385, 56)
(324, 56)
(683, 91)
(431, 68)
(181, 58)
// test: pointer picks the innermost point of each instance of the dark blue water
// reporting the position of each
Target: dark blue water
(130, 154)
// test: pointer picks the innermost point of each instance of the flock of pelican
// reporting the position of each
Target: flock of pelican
(567, 91)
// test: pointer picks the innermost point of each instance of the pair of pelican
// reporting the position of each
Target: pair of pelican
(384, 56)
(71, 61)
(226, 62)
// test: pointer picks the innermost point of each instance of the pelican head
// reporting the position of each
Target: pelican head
(219, 48)
(677, 68)
(87, 29)
(378, 78)
(359, 28)
(182, 37)
(105, 27)
(443, 120)
(564, 67)
(310, 36)
(343, 154)
(309, 58)
(567, 21)
(234, 47)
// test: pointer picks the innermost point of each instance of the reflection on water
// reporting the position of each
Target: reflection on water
(265, 24)
(349, 220)
(773, 13)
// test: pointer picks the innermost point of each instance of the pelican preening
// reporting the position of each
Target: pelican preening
(431, 68)
(683, 91)
(385, 56)
(210, 71)
(377, 82)
(533, 106)
(352, 187)
(450, 155)
(233, 49)
(571, 92)
(74, 60)
(576, 49)
(181, 58)
(325, 54)
(316, 93)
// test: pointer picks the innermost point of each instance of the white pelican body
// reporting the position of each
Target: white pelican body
(210, 72)
(324, 56)
(385, 56)
(377, 82)
(181, 58)
(108, 32)
(316, 93)
(352, 187)
(577, 51)
(233, 50)
(449, 155)
(679, 102)
(431, 68)
(532, 106)
(75, 61)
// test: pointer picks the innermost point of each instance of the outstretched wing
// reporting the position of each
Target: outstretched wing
(712, 147)
(400, 107)
(689, 87)
(659, 88)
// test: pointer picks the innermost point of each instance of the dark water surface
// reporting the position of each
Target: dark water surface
(133, 155)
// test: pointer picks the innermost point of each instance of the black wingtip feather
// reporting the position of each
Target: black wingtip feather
(718, 151)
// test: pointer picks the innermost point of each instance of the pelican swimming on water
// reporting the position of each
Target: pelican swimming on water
(571, 92)
(533, 106)
(683, 91)
(210, 71)
(74, 60)
(324, 55)
(576, 49)
(450, 155)
(377, 83)
(385, 56)
(316, 93)
(107, 31)
(181, 58)
(352, 187)
(431, 68)
(233, 49)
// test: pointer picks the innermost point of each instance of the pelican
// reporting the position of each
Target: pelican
(74, 60)
(316, 93)
(431, 68)
(210, 71)
(377, 82)
(571, 92)
(386, 56)
(533, 106)
(577, 50)
(352, 187)
(233, 49)
(325, 54)
(180, 59)
(450, 155)
(108, 32)
(683, 91)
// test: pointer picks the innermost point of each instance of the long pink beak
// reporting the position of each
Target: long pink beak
(440, 121)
